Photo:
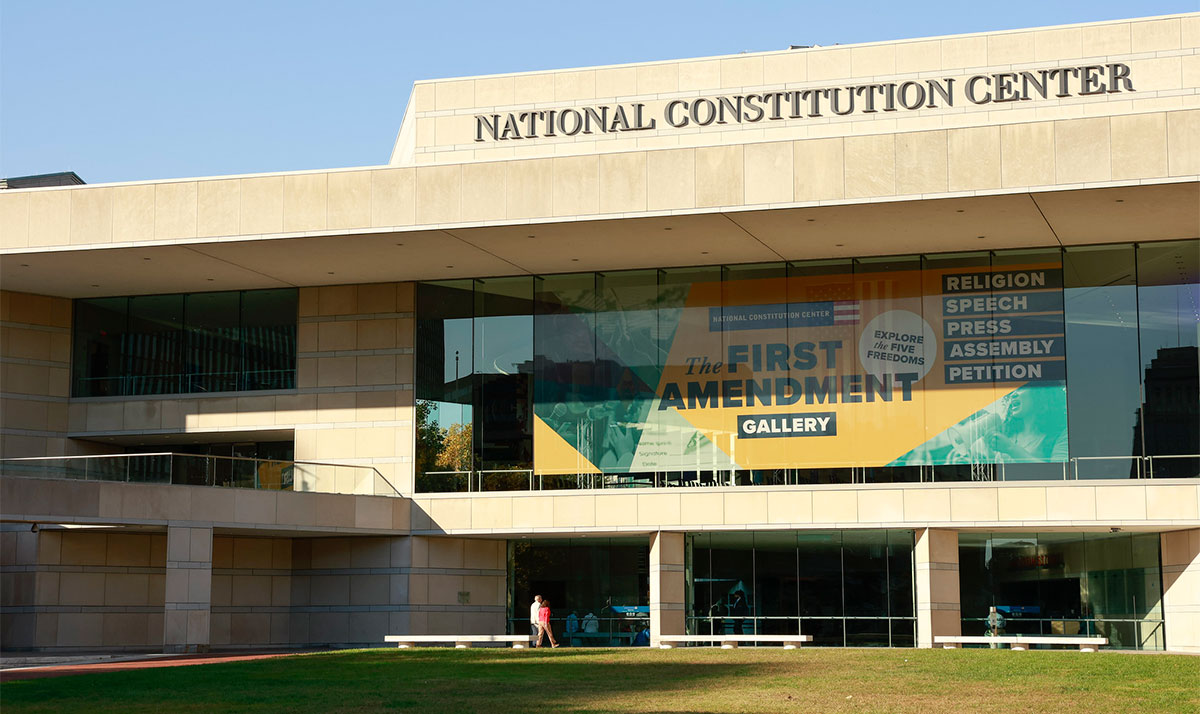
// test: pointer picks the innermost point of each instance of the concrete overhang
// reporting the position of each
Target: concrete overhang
(1051, 218)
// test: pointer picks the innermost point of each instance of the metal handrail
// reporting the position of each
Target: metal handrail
(1136, 459)
(720, 478)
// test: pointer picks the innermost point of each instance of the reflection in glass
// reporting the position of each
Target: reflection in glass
(503, 346)
(840, 587)
(599, 589)
(153, 345)
(214, 342)
(444, 365)
(96, 363)
(1169, 328)
(183, 343)
(1102, 394)
(1107, 584)
(268, 339)
(627, 392)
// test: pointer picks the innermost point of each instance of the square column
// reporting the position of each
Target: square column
(939, 610)
(187, 610)
(666, 585)
(1181, 589)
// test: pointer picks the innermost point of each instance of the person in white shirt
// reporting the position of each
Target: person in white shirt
(533, 616)
(590, 623)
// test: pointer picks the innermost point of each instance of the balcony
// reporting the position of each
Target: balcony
(198, 470)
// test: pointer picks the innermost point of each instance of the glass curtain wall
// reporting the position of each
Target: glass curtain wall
(1104, 395)
(185, 343)
(598, 589)
(1107, 584)
(844, 588)
(952, 367)
(1168, 327)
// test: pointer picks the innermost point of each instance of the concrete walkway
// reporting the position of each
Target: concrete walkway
(42, 667)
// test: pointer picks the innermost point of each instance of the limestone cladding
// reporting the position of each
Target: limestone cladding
(1181, 589)
(1161, 54)
(353, 591)
(1071, 150)
(35, 356)
(1031, 505)
(352, 403)
(79, 590)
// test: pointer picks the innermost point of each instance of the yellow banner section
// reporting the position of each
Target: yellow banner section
(848, 370)
(553, 455)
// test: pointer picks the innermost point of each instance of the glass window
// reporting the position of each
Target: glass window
(444, 392)
(268, 338)
(214, 341)
(820, 568)
(99, 331)
(840, 587)
(946, 367)
(1103, 395)
(153, 345)
(1168, 328)
(900, 568)
(1031, 439)
(628, 369)
(598, 589)
(776, 585)
(182, 343)
(732, 580)
(865, 561)
(565, 391)
(503, 357)
(1108, 584)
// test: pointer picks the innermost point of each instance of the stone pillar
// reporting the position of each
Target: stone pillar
(1181, 589)
(187, 610)
(666, 585)
(938, 605)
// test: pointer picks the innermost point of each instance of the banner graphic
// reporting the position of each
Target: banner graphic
(901, 367)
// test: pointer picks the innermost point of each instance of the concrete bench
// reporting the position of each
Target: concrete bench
(1020, 642)
(460, 641)
(729, 642)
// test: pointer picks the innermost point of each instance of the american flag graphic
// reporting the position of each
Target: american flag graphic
(845, 312)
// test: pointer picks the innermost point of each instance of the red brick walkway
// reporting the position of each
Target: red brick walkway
(9, 675)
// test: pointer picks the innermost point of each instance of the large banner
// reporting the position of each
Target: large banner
(903, 367)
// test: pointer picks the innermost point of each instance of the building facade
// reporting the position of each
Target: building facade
(854, 341)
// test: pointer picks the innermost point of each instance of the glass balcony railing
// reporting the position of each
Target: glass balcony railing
(201, 470)
(1079, 468)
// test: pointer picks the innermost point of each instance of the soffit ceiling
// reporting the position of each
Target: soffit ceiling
(1017, 220)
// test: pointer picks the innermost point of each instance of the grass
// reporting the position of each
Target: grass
(680, 680)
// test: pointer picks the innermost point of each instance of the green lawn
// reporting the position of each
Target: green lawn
(585, 680)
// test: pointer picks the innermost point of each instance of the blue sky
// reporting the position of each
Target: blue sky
(120, 91)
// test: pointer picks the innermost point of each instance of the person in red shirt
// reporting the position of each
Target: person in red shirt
(544, 624)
